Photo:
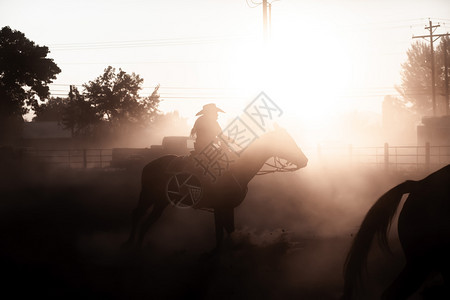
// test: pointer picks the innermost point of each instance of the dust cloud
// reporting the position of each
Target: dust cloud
(62, 230)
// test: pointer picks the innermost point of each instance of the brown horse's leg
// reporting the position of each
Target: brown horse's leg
(408, 281)
(229, 220)
(145, 202)
(223, 219)
(219, 224)
(157, 211)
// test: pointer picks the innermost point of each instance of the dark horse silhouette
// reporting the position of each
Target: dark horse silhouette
(222, 197)
(423, 230)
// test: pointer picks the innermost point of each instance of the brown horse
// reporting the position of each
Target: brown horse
(423, 230)
(223, 196)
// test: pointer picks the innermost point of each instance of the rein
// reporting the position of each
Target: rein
(277, 166)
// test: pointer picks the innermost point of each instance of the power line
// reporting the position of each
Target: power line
(254, 4)
(193, 40)
(141, 62)
(177, 39)
(162, 87)
(147, 43)
(345, 93)
(223, 88)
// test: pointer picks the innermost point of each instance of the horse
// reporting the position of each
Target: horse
(220, 198)
(423, 230)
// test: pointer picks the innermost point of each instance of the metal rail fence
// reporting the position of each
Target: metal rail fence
(394, 158)
(72, 158)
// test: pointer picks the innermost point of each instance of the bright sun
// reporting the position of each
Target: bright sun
(304, 82)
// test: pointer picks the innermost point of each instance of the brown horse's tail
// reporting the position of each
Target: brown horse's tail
(376, 223)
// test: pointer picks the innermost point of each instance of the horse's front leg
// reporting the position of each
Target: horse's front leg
(218, 223)
(229, 221)
(223, 219)
(145, 202)
(157, 211)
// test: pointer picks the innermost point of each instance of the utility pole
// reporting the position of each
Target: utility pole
(267, 21)
(270, 17)
(264, 5)
(447, 103)
(433, 37)
(270, 20)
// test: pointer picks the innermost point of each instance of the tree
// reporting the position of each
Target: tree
(72, 112)
(25, 72)
(150, 107)
(416, 78)
(78, 114)
(52, 110)
(109, 104)
(442, 59)
(116, 100)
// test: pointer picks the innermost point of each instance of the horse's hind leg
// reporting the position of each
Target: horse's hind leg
(408, 281)
(157, 211)
(145, 202)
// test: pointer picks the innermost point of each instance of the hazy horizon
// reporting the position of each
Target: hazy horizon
(324, 61)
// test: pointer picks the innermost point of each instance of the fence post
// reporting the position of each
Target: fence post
(427, 156)
(386, 156)
(84, 159)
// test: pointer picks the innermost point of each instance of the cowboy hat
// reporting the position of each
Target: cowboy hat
(211, 107)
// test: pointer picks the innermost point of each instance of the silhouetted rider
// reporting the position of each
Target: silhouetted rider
(206, 128)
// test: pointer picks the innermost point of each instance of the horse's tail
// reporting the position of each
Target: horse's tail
(376, 223)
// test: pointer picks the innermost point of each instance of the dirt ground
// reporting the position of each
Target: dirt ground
(61, 233)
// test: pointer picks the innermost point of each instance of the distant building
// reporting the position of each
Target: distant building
(434, 130)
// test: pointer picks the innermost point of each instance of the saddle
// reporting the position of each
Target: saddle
(181, 164)
(217, 190)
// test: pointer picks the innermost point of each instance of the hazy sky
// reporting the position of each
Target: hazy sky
(324, 57)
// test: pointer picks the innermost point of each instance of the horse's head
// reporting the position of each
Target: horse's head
(282, 145)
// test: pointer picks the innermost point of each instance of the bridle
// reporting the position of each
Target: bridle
(278, 166)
